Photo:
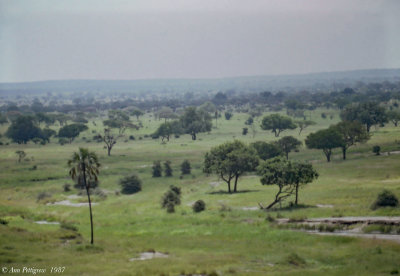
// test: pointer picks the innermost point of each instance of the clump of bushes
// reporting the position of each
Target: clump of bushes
(199, 206)
(185, 167)
(171, 198)
(131, 184)
(157, 170)
(295, 260)
(67, 187)
(385, 199)
(42, 196)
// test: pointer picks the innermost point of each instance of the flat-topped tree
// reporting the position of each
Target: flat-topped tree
(303, 124)
(23, 129)
(325, 139)
(352, 133)
(369, 114)
(277, 123)
(109, 139)
(230, 160)
(84, 165)
(288, 144)
(71, 131)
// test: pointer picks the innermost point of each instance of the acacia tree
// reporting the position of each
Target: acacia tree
(352, 133)
(266, 150)
(109, 139)
(230, 160)
(137, 113)
(288, 176)
(277, 123)
(71, 131)
(84, 165)
(165, 130)
(325, 139)
(23, 129)
(303, 124)
(195, 121)
(288, 144)
(369, 114)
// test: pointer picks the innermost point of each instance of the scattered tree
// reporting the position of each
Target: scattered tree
(167, 168)
(23, 129)
(157, 170)
(352, 133)
(277, 123)
(266, 150)
(195, 121)
(393, 116)
(137, 113)
(230, 160)
(288, 144)
(71, 131)
(199, 206)
(303, 124)
(171, 198)
(185, 167)
(84, 164)
(369, 114)
(376, 149)
(245, 130)
(109, 139)
(326, 139)
(228, 115)
(385, 199)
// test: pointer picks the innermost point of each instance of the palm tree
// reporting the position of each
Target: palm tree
(85, 167)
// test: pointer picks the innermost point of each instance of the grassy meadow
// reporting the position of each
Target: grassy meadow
(225, 239)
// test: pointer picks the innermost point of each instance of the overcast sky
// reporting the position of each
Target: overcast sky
(94, 39)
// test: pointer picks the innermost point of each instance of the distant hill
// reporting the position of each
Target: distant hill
(312, 81)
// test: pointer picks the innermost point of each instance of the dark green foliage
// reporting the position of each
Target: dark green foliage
(23, 129)
(137, 112)
(171, 198)
(3, 119)
(326, 139)
(157, 170)
(249, 121)
(165, 130)
(228, 115)
(245, 130)
(80, 184)
(393, 116)
(195, 121)
(131, 184)
(185, 167)
(62, 141)
(67, 187)
(3, 221)
(303, 124)
(199, 206)
(131, 137)
(288, 144)
(369, 114)
(376, 149)
(352, 132)
(385, 199)
(71, 131)
(288, 176)
(230, 160)
(167, 168)
(266, 150)
(277, 123)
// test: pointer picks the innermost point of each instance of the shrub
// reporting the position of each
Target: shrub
(249, 121)
(385, 198)
(199, 206)
(185, 167)
(295, 259)
(43, 195)
(376, 150)
(67, 187)
(228, 115)
(245, 130)
(157, 170)
(171, 198)
(131, 137)
(167, 168)
(3, 221)
(131, 184)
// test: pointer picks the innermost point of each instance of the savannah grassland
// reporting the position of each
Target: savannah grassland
(224, 239)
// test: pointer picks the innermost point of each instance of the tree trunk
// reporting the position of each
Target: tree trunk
(297, 194)
(90, 203)
(193, 136)
(235, 187)
(328, 155)
(287, 155)
(368, 127)
(344, 153)
(229, 187)
(109, 151)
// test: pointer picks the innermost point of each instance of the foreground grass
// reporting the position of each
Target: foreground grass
(224, 239)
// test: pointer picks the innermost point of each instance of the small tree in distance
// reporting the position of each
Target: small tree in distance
(167, 168)
(288, 144)
(277, 123)
(185, 167)
(157, 170)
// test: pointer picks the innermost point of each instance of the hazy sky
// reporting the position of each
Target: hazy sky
(94, 39)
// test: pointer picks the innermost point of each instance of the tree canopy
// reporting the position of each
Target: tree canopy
(71, 131)
(325, 139)
(23, 129)
(195, 121)
(288, 144)
(266, 150)
(277, 123)
(230, 160)
(369, 114)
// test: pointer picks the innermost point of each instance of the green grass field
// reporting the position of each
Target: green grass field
(225, 239)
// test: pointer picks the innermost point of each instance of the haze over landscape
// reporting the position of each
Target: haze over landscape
(48, 40)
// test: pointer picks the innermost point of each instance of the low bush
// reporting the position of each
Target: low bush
(385, 199)
(131, 184)
(199, 206)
